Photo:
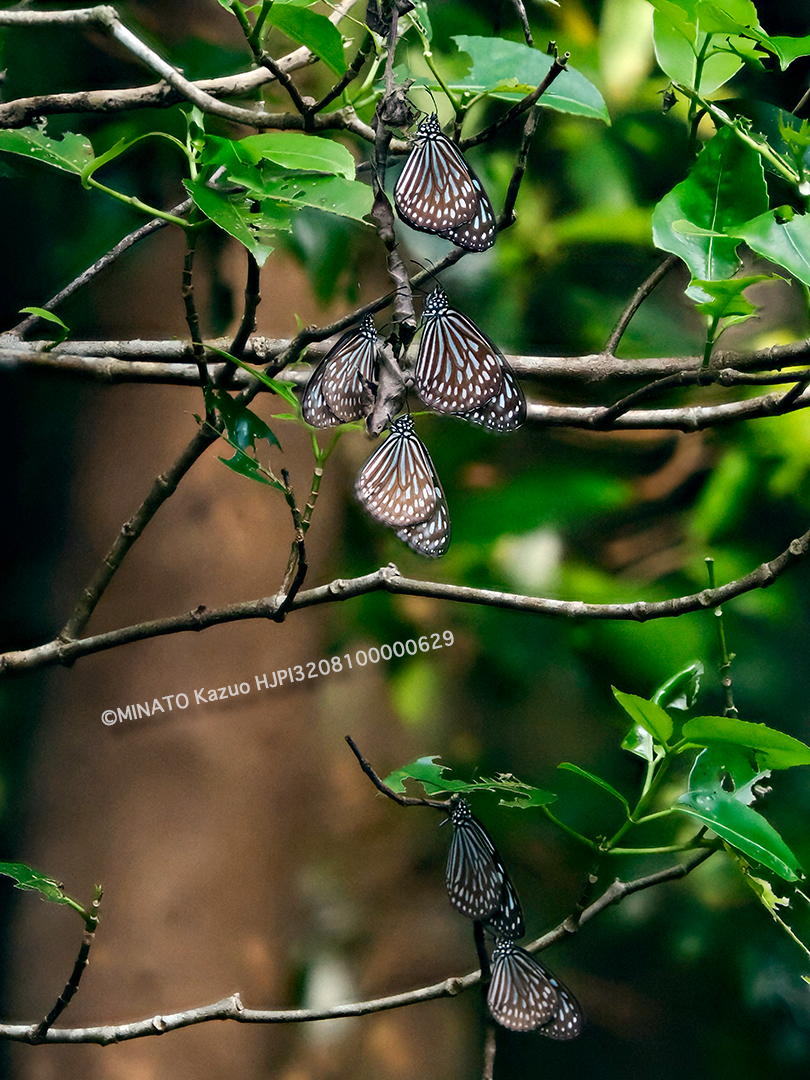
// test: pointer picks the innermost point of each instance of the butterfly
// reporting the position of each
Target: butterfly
(459, 370)
(334, 393)
(438, 192)
(522, 995)
(477, 880)
(399, 487)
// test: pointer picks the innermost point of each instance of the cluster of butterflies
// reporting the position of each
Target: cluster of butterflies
(523, 995)
(458, 369)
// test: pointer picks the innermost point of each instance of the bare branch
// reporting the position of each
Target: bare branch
(231, 1008)
(388, 579)
(641, 294)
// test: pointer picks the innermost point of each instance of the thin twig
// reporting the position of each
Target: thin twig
(82, 960)
(100, 264)
(297, 566)
(641, 294)
(396, 796)
(388, 579)
(253, 298)
(524, 22)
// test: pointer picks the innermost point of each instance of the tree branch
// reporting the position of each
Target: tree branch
(231, 1008)
(388, 579)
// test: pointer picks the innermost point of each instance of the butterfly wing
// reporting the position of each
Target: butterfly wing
(567, 1020)
(478, 233)
(457, 368)
(396, 484)
(432, 536)
(522, 995)
(435, 190)
(506, 411)
(349, 366)
(477, 880)
(314, 405)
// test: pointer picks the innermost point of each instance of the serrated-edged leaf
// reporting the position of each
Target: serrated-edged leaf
(311, 29)
(429, 774)
(725, 188)
(491, 57)
(773, 749)
(426, 771)
(26, 878)
(727, 300)
(71, 153)
(781, 236)
(243, 425)
(303, 153)
(597, 780)
(743, 828)
(681, 690)
(646, 713)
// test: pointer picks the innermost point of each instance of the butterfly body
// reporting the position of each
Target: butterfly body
(438, 192)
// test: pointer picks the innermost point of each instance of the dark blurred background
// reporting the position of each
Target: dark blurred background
(239, 845)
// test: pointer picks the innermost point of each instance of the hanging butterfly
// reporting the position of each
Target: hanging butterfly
(438, 192)
(477, 880)
(398, 486)
(430, 537)
(506, 411)
(521, 995)
(457, 367)
(334, 393)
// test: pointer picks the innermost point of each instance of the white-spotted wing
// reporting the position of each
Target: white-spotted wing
(457, 368)
(435, 190)
(522, 995)
(567, 1020)
(478, 233)
(477, 880)
(349, 367)
(397, 484)
(432, 536)
(506, 411)
(314, 405)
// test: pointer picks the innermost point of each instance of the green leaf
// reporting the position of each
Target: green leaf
(647, 714)
(681, 690)
(570, 92)
(727, 300)
(782, 237)
(72, 153)
(313, 30)
(744, 829)
(789, 49)
(243, 425)
(598, 781)
(720, 787)
(26, 878)
(725, 188)
(293, 150)
(429, 774)
(238, 215)
(772, 749)
(639, 741)
(283, 389)
(677, 48)
(245, 465)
